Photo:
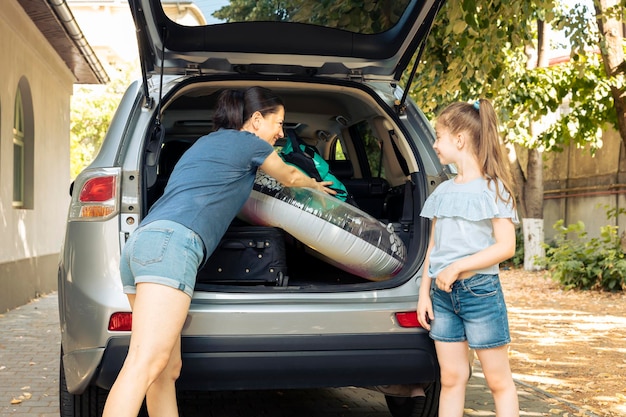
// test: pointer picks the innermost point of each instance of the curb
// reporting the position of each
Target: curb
(554, 397)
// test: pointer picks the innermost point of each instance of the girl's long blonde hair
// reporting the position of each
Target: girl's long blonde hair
(479, 120)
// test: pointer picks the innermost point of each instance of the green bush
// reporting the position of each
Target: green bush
(517, 260)
(577, 261)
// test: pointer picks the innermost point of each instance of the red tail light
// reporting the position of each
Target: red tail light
(96, 195)
(408, 319)
(121, 322)
(98, 189)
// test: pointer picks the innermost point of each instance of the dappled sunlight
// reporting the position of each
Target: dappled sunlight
(530, 405)
(3, 215)
(570, 344)
(469, 412)
(538, 379)
(620, 409)
(620, 350)
(22, 236)
(472, 412)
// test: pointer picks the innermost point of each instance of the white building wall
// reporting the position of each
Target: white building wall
(31, 238)
(109, 29)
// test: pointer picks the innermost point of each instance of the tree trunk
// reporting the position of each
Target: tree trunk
(532, 224)
(613, 54)
(533, 243)
(532, 186)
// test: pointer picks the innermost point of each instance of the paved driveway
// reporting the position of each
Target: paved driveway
(29, 379)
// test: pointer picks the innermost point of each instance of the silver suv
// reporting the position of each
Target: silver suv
(318, 325)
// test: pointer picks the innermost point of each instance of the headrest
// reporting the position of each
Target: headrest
(170, 154)
(342, 169)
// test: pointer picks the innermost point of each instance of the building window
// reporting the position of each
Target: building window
(23, 148)
(1, 140)
(18, 152)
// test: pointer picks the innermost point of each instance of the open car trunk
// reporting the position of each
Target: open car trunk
(366, 149)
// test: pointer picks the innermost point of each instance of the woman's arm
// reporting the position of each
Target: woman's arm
(290, 176)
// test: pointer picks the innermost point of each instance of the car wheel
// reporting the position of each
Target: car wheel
(88, 404)
(427, 406)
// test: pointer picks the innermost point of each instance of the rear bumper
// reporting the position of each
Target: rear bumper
(281, 362)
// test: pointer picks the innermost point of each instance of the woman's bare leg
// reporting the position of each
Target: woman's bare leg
(161, 395)
(159, 313)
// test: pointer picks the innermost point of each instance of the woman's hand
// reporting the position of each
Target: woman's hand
(290, 176)
(323, 186)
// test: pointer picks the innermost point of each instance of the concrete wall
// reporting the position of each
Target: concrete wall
(578, 186)
(31, 238)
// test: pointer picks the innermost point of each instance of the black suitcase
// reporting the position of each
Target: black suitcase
(247, 255)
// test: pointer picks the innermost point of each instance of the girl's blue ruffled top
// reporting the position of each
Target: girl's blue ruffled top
(464, 213)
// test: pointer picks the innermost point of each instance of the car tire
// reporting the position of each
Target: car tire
(427, 406)
(88, 404)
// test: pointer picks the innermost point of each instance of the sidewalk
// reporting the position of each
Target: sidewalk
(29, 373)
(30, 343)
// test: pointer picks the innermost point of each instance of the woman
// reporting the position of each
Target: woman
(160, 260)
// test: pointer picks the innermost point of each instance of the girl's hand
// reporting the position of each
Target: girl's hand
(446, 278)
(425, 311)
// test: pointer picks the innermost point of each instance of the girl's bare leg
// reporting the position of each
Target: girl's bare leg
(454, 365)
(497, 370)
(159, 313)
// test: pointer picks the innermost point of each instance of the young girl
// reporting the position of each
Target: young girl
(160, 260)
(473, 217)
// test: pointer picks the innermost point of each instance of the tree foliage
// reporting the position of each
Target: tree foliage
(489, 45)
(92, 109)
(475, 50)
(366, 16)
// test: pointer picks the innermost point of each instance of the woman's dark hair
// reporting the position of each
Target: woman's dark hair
(234, 107)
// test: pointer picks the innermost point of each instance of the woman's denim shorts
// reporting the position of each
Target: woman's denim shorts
(474, 311)
(161, 252)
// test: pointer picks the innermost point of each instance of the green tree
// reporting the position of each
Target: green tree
(243, 10)
(488, 44)
(366, 16)
(92, 109)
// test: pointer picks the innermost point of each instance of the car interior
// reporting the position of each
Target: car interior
(347, 127)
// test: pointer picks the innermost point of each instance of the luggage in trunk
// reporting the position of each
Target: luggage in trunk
(247, 255)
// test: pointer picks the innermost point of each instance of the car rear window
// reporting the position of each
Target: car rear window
(367, 17)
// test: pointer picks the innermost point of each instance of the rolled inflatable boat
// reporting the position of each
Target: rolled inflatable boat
(337, 232)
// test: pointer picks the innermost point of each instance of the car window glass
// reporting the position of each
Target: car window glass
(338, 153)
(376, 17)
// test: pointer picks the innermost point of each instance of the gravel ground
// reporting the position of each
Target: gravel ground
(570, 344)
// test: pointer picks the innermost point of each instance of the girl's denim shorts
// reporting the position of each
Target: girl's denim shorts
(161, 252)
(474, 312)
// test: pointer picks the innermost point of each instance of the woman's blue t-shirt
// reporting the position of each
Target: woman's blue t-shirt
(211, 182)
